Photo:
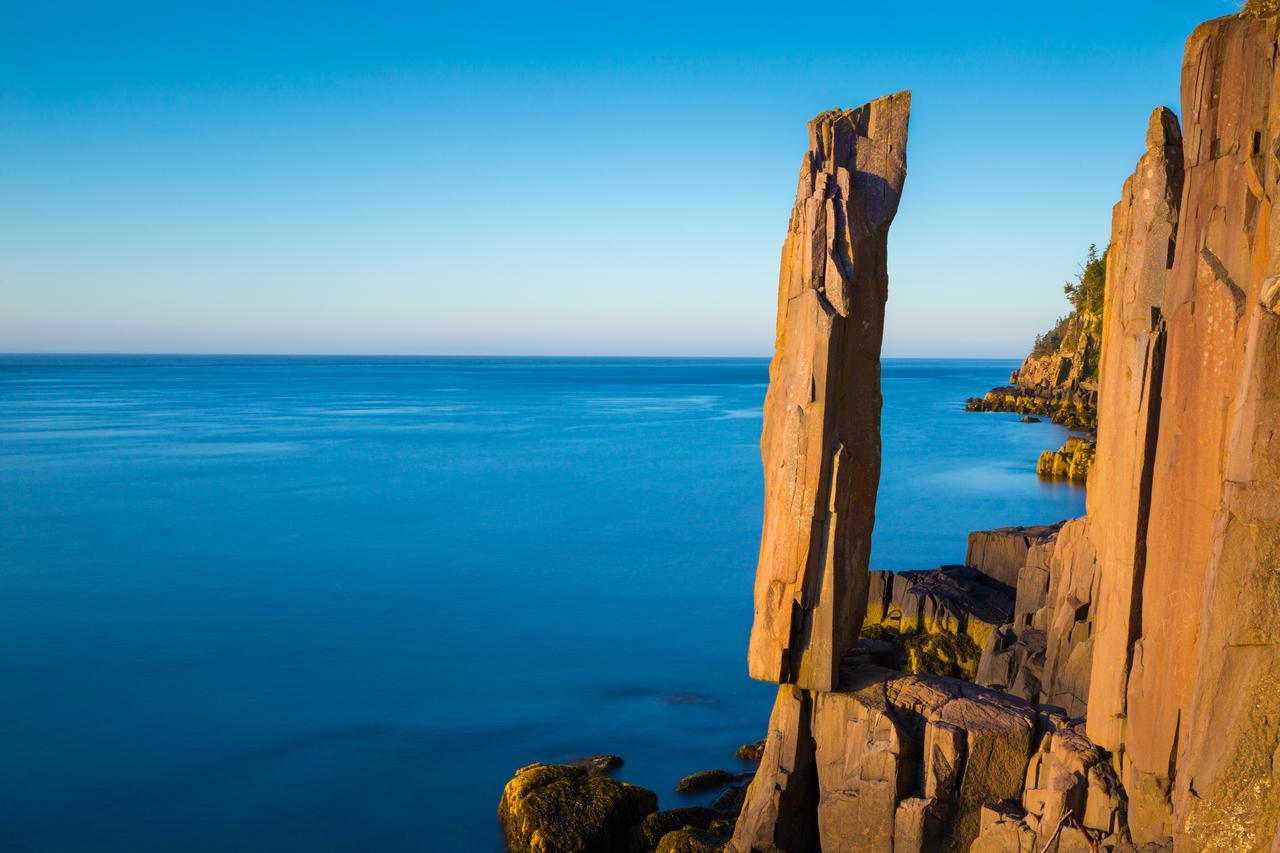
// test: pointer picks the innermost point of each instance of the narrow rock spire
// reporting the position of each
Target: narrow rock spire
(1144, 229)
(821, 441)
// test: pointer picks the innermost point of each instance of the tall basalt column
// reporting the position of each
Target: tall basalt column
(1213, 295)
(1144, 229)
(1227, 790)
(821, 441)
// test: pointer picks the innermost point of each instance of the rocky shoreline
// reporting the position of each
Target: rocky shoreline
(1109, 683)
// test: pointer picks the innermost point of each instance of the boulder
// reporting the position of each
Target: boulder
(552, 808)
(751, 752)
(691, 841)
(655, 826)
(705, 780)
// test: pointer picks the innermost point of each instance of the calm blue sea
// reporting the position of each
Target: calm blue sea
(323, 604)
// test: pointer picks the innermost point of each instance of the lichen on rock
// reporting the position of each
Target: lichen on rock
(1071, 462)
(556, 808)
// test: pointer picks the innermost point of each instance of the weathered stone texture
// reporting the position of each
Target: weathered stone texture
(1224, 299)
(1186, 501)
(781, 807)
(1045, 653)
(549, 808)
(951, 599)
(1000, 554)
(821, 440)
(903, 763)
(1144, 227)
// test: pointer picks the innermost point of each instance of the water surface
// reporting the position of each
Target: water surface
(324, 604)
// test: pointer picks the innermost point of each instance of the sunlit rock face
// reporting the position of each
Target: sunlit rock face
(1185, 502)
(887, 762)
(1143, 237)
(821, 441)
(1149, 632)
(1215, 523)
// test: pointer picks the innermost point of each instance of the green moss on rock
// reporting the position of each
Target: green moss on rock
(558, 808)
(655, 826)
(930, 652)
(691, 841)
(1070, 462)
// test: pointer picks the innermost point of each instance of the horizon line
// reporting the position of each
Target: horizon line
(173, 353)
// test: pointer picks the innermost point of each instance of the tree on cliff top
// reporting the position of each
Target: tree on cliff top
(1086, 291)
(1084, 323)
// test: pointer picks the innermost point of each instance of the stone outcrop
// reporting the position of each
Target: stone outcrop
(1045, 654)
(1067, 775)
(1144, 641)
(936, 621)
(885, 763)
(1003, 553)
(821, 440)
(1184, 504)
(1061, 385)
(1049, 386)
(550, 808)
(1189, 673)
(1071, 462)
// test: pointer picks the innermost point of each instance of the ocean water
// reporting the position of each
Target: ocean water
(323, 604)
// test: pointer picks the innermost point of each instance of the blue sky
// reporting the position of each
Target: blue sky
(511, 178)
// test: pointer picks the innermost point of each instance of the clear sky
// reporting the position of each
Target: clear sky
(544, 178)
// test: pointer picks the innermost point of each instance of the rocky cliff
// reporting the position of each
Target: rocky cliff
(1131, 698)
(1059, 379)
(1190, 532)
(1111, 683)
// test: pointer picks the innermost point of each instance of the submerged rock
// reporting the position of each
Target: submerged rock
(655, 826)
(706, 780)
(751, 751)
(691, 841)
(553, 808)
(730, 802)
(599, 765)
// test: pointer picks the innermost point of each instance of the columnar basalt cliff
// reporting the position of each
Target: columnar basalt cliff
(821, 442)
(1136, 689)
(1198, 657)
(1128, 683)
(1144, 233)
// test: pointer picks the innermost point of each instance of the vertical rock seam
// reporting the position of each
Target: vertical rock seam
(1144, 228)
(1225, 794)
(1220, 260)
(821, 439)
